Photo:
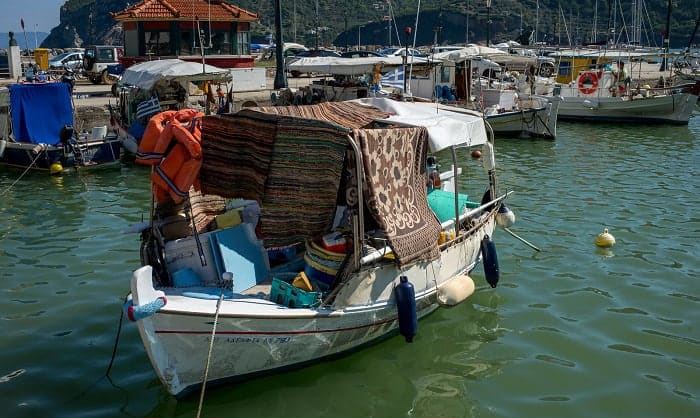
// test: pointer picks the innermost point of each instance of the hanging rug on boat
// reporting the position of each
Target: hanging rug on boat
(395, 190)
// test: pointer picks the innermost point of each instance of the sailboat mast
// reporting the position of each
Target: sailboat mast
(667, 37)
(537, 20)
(692, 37)
(595, 22)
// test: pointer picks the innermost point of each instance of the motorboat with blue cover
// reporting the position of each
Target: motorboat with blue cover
(36, 130)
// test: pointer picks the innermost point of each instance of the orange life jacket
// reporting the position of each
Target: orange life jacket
(155, 140)
(179, 169)
(155, 127)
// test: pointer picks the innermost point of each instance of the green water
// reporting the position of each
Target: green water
(572, 331)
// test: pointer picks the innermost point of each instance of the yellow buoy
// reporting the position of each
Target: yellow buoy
(605, 239)
(56, 168)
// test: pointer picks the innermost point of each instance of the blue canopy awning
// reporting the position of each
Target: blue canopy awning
(39, 111)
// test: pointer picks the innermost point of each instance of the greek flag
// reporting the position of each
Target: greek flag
(393, 78)
(148, 108)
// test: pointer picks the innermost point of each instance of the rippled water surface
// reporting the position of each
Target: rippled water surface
(571, 331)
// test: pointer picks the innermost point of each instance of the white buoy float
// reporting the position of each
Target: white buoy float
(605, 239)
(505, 218)
(456, 290)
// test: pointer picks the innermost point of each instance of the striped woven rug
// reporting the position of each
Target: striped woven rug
(292, 166)
(347, 114)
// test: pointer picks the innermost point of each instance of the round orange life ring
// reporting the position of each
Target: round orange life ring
(584, 78)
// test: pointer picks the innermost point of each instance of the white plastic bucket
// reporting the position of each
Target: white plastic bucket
(99, 132)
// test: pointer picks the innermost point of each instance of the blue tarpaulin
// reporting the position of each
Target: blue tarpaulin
(40, 111)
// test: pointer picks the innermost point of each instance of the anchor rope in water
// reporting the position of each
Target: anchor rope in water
(116, 339)
(21, 175)
(111, 363)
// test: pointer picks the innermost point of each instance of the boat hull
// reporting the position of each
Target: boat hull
(674, 109)
(256, 336)
(94, 152)
(128, 141)
(529, 123)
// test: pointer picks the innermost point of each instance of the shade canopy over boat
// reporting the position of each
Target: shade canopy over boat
(146, 74)
(468, 52)
(445, 128)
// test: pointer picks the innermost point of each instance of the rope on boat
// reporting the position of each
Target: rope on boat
(21, 175)
(226, 278)
(116, 340)
(109, 366)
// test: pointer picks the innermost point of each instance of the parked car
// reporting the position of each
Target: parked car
(399, 52)
(67, 60)
(445, 48)
(309, 53)
(96, 60)
(361, 54)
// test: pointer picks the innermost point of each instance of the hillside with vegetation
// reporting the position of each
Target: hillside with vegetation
(366, 22)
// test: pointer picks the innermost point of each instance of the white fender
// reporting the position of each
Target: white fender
(3, 144)
(455, 291)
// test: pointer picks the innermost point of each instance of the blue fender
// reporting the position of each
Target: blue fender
(406, 305)
(490, 261)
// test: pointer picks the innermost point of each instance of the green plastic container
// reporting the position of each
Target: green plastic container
(443, 203)
(291, 296)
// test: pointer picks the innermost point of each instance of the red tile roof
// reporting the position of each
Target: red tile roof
(184, 10)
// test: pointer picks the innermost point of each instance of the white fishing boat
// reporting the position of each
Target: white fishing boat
(595, 97)
(153, 86)
(279, 256)
(467, 81)
(440, 78)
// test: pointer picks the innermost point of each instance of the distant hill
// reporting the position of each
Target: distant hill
(40, 36)
(349, 22)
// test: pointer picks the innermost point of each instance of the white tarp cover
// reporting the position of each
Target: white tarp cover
(445, 128)
(348, 66)
(144, 75)
(609, 53)
(467, 52)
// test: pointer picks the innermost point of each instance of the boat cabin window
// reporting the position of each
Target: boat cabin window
(564, 68)
(444, 74)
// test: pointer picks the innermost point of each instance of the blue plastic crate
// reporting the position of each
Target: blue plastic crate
(291, 296)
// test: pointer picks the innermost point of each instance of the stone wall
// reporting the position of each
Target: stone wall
(87, 117)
